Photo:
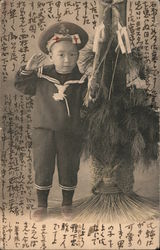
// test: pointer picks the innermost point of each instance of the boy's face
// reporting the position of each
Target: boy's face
(64, 55)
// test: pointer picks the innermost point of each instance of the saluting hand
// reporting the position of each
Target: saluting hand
(35, 61)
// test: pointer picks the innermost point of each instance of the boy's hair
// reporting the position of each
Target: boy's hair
(62, 31)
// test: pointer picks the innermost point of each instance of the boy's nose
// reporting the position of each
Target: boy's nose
(66, 59)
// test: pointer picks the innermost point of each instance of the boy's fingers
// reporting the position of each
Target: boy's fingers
(40, 61)
(41, 55)
(41, 58)
(38, 56)
(32, 57)
(35, 60)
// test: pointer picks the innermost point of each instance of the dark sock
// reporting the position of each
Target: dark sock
(67, 197)
(42, 198)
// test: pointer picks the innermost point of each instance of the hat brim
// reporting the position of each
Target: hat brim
(53, 29)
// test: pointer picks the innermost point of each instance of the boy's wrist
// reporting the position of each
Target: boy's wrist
(25, 71)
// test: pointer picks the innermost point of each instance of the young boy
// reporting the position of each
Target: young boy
(58, 89)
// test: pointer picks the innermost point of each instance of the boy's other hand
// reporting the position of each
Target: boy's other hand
(35, 61)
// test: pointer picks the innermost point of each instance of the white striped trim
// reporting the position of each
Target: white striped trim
(67, 106)
(67, 188)
(53, 80)
(43, 187)
(50, 79)
(26, 72)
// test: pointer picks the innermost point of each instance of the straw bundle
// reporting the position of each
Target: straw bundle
(115, 208)
(122, 128)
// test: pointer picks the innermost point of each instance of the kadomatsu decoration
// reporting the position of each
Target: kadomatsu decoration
(121, 122)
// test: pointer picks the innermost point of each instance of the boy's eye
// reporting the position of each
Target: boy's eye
(73, 54)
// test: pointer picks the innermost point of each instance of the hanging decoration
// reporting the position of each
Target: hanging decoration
(121, 122)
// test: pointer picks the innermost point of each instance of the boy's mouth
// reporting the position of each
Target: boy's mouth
(65, 69)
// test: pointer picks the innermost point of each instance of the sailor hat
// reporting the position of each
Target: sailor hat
(62, 31)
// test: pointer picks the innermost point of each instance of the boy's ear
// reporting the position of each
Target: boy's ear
(51, 57)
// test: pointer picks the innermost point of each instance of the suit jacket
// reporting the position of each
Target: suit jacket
(48, 112)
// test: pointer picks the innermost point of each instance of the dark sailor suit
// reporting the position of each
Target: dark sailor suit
(56, 123)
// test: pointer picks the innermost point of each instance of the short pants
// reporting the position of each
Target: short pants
(49, 145)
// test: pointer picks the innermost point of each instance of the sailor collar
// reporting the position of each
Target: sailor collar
(56, 81)
(61, 95)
